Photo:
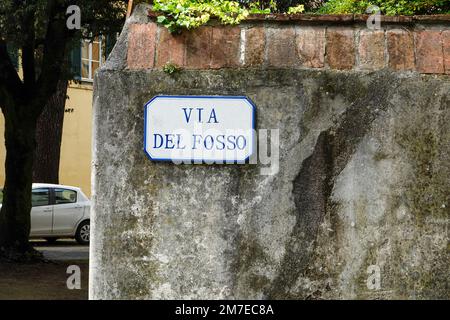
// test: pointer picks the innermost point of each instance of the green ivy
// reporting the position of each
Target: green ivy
(260, 7)
(295, 10)
(387, 7)
(189, 14)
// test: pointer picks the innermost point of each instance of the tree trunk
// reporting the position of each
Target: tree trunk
(48, 137)
(16, 207)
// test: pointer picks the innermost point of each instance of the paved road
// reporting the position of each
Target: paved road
(63, 249)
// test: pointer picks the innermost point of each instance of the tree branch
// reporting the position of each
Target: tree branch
(28, 57)
(53, 56)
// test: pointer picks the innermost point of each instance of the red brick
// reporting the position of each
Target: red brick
(255, 43)
(371, 49)
(311, 46)
(340, 51)
(281, 47)
(429, 53)
(400, 45)
(446, 42)
(225, 47)
(171, 48)
(141, 46)
(198, 48)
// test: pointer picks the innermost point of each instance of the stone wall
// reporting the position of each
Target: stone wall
(364, 175)
(319, 42)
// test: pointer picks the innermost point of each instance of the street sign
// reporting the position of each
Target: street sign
(199, 129)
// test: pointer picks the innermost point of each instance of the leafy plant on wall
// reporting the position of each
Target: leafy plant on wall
(387, 7)
(189, 14)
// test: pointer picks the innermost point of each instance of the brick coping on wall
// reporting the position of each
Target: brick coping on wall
(329, 42)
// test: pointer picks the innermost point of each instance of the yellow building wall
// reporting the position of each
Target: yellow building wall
(75, 162)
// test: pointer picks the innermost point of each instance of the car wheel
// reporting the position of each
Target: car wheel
(51, 240)
(83, 233)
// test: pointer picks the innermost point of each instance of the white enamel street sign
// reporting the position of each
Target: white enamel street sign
(199, 129)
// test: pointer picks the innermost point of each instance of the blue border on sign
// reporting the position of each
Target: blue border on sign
(201, 97)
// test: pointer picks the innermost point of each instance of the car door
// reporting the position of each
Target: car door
(67, 212)
(41, 212)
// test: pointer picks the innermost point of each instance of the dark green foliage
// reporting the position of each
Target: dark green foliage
(24, 21)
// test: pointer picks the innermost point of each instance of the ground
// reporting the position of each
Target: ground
(46, 280)
(64, 249)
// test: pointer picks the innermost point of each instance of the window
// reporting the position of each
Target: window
(86, 58)
(65, 196)
(92, 56)
(40, 197)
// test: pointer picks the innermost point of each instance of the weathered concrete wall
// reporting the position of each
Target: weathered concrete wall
(364, 180)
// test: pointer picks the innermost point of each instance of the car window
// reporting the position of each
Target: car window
(65, 196)
(40, 197)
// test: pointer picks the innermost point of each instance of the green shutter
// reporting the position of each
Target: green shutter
(110, 41)
(14, 56)
(75, 62)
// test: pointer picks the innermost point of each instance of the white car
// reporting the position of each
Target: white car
(59, 211)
